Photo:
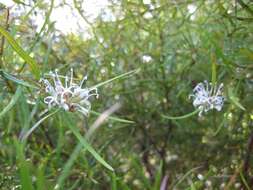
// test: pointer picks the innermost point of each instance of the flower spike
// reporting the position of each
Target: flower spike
(207, 96)
(71, 97)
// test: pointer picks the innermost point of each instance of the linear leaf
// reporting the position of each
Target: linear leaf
(33, 65)
(181, 117)
(186, 175)
(26, 135)
(12, 102)
(87, 146)
(234, 99)
(24, 172)
(113, 118)
(117, 77)
(66, 169)
(16, 80)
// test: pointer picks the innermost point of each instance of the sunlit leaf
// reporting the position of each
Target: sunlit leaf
(33, 65)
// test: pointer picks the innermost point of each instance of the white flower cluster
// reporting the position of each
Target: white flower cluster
(71, 97)
(207, 96)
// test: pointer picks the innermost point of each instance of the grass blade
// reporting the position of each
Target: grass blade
(140, 173)
(185, 176)
(244, 181)
(114, 181)
(12, 102)
(33, 65)
(75, 153)
(65, 172)
(113, 118)
(18, 81)
(158, 177)
(87, 146)
(25, 177)
(117, 77)
(41, 180)
(234, 99)
(26, 135)
(181, 117)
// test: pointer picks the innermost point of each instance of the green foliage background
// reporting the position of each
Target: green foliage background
(214, 43)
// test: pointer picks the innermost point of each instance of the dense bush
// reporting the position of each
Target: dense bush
(168, 47)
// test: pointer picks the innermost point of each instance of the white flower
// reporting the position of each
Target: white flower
(70, 96)
(207, 96)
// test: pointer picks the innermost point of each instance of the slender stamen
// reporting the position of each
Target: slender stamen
(71, 77)
(69, 97)
(83, 80)
(207, 96)
(66, 82)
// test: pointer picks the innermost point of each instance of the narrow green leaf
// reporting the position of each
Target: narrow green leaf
(220, 127)
(185, 176)
(16, 80)
(181, 117)
(140, 173)
(158, 177)
(66, 169)
(33, 65)
(12, 102)
(117, 77)
(113, 118)
(237, 103)
(87, 146)
(234, 99)
(244, 181)
(26, 135)
(75, 184)
(41, 180)
(114, 181)
(24, 173)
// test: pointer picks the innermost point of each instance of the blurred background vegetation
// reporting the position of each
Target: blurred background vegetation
(175, 44)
